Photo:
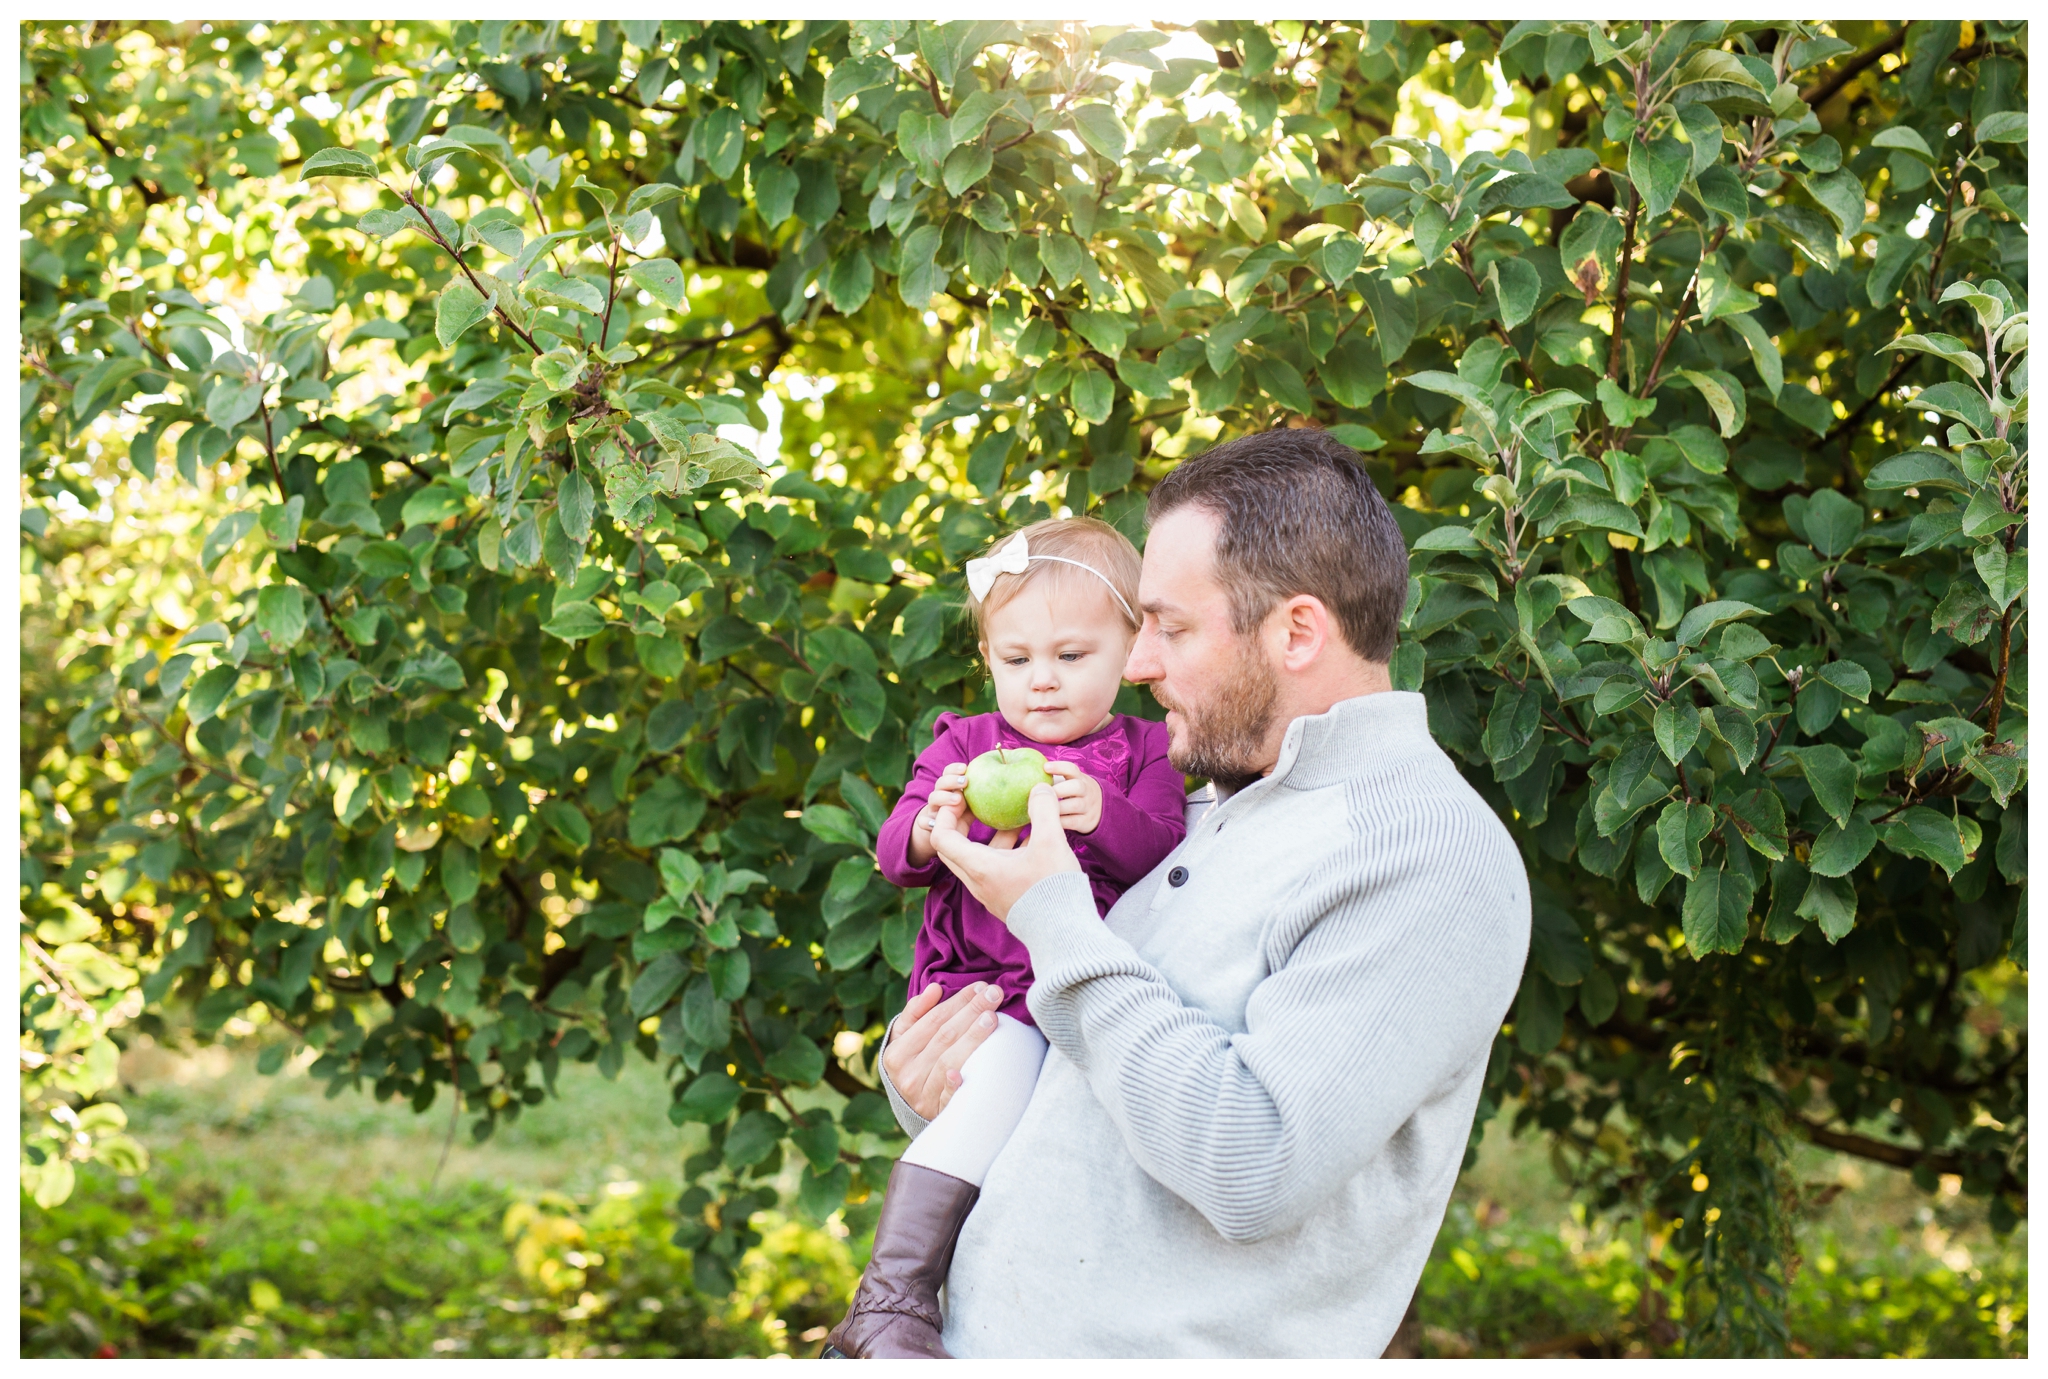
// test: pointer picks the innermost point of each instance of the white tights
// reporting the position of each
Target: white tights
(995, 1084)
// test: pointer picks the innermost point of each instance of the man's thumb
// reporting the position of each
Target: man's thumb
(1045, 814)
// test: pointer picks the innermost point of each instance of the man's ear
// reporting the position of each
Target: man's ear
(1304, 631)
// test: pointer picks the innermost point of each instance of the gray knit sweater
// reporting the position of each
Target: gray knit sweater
(1262, 1075)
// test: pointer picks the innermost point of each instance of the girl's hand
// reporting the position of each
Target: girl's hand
(1080, 797)
(948, 797)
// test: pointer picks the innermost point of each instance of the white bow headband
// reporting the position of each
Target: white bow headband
(1014, 556)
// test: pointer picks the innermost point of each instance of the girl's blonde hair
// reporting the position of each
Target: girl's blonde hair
(1096, 544)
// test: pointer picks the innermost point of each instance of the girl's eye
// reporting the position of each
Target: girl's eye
(1017, 661)
(1072, 655)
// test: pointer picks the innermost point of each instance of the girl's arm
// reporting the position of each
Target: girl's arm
(1138, 829)
(893, 847)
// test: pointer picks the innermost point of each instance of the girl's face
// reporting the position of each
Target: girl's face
(1056, 666)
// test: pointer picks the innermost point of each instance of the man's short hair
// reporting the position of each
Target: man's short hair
(1298, 514)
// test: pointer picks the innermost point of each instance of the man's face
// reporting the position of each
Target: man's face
(1219, 689)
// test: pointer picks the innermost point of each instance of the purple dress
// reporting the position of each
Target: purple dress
(1143, 818)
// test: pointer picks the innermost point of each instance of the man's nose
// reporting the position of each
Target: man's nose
(1142, 666)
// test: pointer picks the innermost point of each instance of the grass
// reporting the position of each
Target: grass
(278, 1222)
(1885, 1271)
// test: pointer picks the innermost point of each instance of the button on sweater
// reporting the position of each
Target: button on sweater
(1261, 1080)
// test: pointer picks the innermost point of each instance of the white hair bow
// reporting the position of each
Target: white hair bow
(1014, 557)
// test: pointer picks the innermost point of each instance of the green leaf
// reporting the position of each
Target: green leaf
(280, 616)
(1928, 834)
(1833, 523)
(1906, 140)
(1708, 616)
(2004, 574)
(650, 195)
(1723, 396)
(1840, 194)
(1622, 409)
(1451, 385)
(338, 162)
(577, 505)
(708, 1099)
(432, 505)
(574, 622)
(1831, 903)
(559, 369)
(665, 812)
(225, 536)
(1945, 347)
(210, 691)
(1759, 818)
(1917, 469)
(1517, 286)
(1958, 400)
(1681, 828)
(1431, 230)
(660, 279)
(1658, 168)
(1092, 393)
(1831, 776)
(775, 188)
(2006, 127)
(721, 139)
(460, 874)
(232, 402)
(459, 307)
(834, 824)
(1677, 729)
(1841, 847)
(1716, 914)
(966, 166)
(1713, 65)
(657, 984)
(799, 1061)
(1099, 130)
(1590, 510)
(1848, 677)
(849, 280)
(568, 823)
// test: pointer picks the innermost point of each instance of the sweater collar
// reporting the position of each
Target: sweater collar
(1353, 737)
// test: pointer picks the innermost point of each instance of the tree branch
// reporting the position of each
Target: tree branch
(1898, 1155)
(1818, 95)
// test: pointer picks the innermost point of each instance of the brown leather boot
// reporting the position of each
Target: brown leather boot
(895, 1312)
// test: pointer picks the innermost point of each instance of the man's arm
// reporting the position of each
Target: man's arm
(1372, 1013)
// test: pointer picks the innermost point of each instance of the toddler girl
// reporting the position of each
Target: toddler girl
(1056, 607)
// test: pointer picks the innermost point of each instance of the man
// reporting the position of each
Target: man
(1264, 1064)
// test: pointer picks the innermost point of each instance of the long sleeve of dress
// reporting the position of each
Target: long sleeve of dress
(1139, 828)
(892, 848)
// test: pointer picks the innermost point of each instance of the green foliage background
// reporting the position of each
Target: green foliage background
(421, 658)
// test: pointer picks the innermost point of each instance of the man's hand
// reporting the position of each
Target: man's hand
(930, 1040)
(949, 793)
(1080, 797)
(999, 873)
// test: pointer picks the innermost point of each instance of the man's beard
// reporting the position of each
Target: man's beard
(1225, 737)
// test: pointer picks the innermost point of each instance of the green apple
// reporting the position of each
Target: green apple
(999, 785)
